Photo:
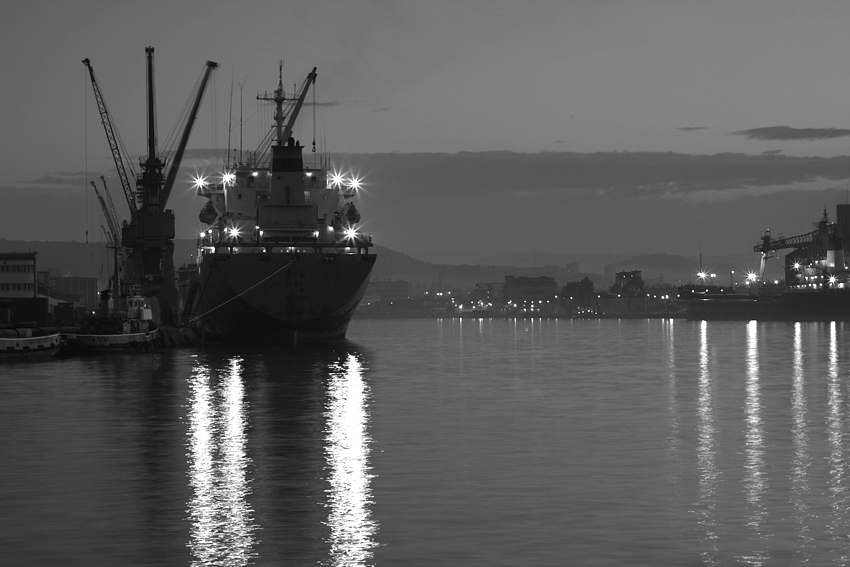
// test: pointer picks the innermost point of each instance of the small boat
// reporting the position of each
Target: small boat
(21, 344)
(132, 330)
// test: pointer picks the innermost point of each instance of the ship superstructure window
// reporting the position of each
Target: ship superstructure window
(16, 268)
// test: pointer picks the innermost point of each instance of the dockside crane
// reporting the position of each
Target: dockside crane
(113, 237)
(115, 146)
(148, 238)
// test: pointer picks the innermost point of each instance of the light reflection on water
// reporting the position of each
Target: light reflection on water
(837, 526)
(800, 483)
(222, 526)
(347, 443)
(755, 477)
(707, 454)
(517, 443)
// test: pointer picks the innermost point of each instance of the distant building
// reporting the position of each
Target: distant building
(491, 293)
(531, 294)
(628, 283)
(388, 292)
(19, 300)
(17, 274)
(85, 290)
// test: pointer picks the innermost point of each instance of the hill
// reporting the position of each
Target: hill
(94, 260)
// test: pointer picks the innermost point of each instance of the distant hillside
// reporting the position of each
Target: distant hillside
(92, 260)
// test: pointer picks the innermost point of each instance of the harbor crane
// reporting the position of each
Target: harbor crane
(113, 234)
(148, 238)
(816, 242)
(114, 141)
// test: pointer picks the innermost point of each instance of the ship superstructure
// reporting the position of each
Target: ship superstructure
(283, 254)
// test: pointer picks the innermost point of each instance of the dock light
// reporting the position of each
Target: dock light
(336, 179)
(350, 233)
(203, 234)
(255, 174)
(832, 279)
(354, 183)
(200, 182)
(751, 277)
(796, 265)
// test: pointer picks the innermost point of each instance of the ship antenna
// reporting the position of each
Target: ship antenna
(230, 120)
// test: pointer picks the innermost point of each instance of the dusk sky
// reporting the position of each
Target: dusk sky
(636, 96)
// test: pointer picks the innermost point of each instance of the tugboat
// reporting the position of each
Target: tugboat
(131, 329)
(283, 256)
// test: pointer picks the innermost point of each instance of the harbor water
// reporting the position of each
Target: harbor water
(439, 442)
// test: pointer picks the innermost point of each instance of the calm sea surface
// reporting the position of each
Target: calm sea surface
(439, 442)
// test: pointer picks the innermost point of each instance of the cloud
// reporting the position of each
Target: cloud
(789, 133)
(61, 179)
(692, 128)
(620, 175)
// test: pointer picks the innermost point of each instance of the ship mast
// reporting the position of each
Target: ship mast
(284, 132)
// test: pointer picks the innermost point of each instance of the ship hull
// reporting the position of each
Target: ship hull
(279, 297)
(822, 305)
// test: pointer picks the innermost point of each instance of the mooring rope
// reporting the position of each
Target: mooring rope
(238, 295)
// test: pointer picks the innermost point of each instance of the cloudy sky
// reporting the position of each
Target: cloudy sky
(649, 126)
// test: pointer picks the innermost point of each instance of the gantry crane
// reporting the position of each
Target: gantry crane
(148, 238)
(815, 241)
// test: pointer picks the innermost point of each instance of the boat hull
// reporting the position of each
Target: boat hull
(129, 342)
(822, 305)
(29, 347)
(280, 296)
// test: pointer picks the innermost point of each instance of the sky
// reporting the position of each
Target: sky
(624, 102)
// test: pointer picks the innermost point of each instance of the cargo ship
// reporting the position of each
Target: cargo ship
(283, 255)
(816, 284)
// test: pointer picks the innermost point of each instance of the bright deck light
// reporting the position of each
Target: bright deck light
(200, 182)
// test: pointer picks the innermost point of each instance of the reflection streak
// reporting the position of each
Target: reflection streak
(837, 528)
(800, 485)
(222, 530)
(347, 444)
(673, 441)
(707, 455)
(755, 480)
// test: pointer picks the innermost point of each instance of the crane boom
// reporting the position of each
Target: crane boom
(115, 218)
(287, 132)
(112, 138)
(187, 129)
(103, 207)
